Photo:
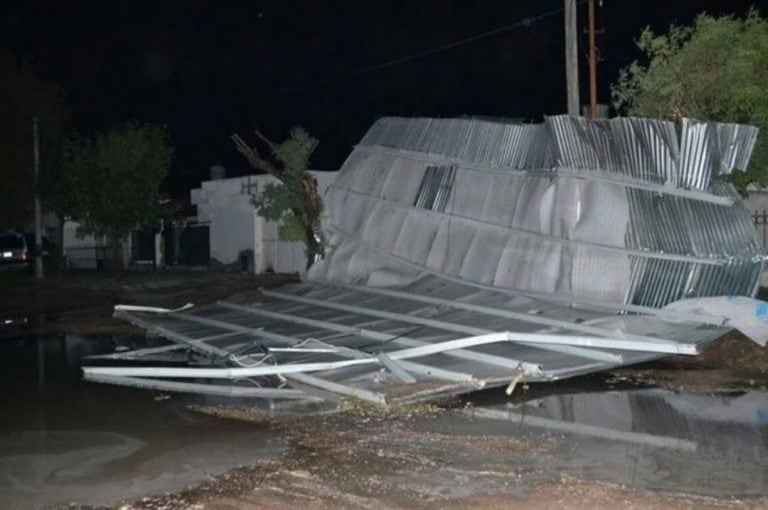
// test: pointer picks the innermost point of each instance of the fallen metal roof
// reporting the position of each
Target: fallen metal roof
(619, 211)
(430, 339)
(468, 254)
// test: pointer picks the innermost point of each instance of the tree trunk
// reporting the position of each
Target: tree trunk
(313, 247)
(117, 257)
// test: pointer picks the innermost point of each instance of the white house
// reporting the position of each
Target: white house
(757, 201)
(239, 237)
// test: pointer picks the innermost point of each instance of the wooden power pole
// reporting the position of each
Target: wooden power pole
(592, 63)
(571, 58)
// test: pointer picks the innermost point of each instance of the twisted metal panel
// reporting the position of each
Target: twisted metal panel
(562, 233)
(518, 146)
(709, 150)
(648, 150)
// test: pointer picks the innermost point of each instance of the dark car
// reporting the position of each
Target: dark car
(14, 250)
(18, 250)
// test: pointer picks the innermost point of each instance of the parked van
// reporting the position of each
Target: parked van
(14, 250)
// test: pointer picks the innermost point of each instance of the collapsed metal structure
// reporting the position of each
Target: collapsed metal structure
(470, 253)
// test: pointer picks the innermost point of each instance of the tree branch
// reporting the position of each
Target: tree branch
(266, 141)
(252, 155)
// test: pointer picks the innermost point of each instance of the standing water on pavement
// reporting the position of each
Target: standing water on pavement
(63, 440)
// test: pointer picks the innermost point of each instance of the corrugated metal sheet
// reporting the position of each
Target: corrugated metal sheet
(645, 149)
(709, 150)
(541, 231)
(519, 146)
(328, 324)
(511, 233)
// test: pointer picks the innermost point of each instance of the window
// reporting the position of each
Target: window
(435, 188)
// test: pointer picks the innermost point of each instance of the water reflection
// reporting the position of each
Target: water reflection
(62, 440)
(710, 444)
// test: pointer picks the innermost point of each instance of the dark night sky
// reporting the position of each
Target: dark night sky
(211, 68)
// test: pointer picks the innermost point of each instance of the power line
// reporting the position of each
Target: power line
(525, 22)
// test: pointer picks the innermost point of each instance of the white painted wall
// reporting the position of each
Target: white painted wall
(225, 204)
(236, 228)
(757, 201)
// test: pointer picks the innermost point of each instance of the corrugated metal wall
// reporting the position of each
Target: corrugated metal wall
(529, 207)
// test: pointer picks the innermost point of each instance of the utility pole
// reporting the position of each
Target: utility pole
(38, 218)
(592, 63)
(571, 58)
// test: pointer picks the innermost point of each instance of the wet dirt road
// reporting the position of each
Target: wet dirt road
(581, 444)
(64, 441)
(642, 448)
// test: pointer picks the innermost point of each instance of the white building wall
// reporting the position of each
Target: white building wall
(236, 229)
(757, 201)
(232, 228)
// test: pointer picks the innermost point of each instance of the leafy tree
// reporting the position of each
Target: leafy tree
(24, 96)
(715, 70)
(113, 182)
(294, 201)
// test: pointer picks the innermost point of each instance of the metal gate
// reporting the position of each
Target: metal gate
(187, 244)
(143, 247)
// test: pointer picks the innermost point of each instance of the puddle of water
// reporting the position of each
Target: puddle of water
(63, 440)
(702, 444)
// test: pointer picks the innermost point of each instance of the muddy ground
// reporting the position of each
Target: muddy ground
(366, 459)
(732, 363)
(369, 460)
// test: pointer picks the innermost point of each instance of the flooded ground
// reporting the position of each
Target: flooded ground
(625, 448)
(596, 442)
(707, 444)
(65, 441)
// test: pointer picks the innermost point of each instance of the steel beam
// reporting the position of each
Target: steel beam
(206, 389)
(345, 352)
(195, 345)
(395, 368)
(498, 312)
(488, 359)
(446, 326)
(529, 338)
(298, 368)
(341, 389)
